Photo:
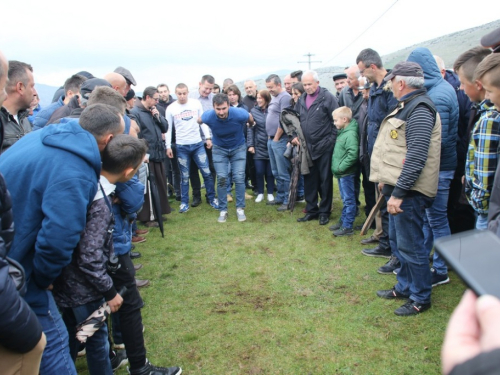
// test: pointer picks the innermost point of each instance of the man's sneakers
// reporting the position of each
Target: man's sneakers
(259, 198)
(300, 199)
(222, 217)
(184, 208)
(283, 207)
(119, 359)
(149, 369)
(343, 232)
(377, 252)
(240, 213)
(270, 198)
(215, 204)
(336, 226)
(391, 294)
(438, 279)
(390, 266)
(196, 201)
(412, 308)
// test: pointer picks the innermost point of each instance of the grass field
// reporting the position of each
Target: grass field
(273, 296)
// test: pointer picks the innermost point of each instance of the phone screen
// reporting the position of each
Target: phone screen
(475, 256)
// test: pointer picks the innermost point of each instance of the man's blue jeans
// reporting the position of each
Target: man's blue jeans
(197, 153)
(97, 346)
(237, 158)
(56, 358)
(436, 220)
(348, 196)
(280, 167)
(406, 232)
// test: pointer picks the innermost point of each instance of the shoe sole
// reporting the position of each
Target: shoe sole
(441, 282)
(386, 272)
(122, 363)
(141, 241)
(184, 211)
(342, 235)
(242, 219)
(376, 255)
(391, 297)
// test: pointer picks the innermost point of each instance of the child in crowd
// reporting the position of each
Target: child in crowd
(344, 165)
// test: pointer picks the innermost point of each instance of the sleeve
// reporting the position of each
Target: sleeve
(64, 207)
(482, 364)
(170, 119)
(351, 149)
(333, 105)
(162, 123)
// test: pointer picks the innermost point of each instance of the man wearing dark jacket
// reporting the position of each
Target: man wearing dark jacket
(315, 109)
(21, 338)
(15, 110)
(63, 167)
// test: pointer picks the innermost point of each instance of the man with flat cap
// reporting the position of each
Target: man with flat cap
(405, 162)
(340, 81)
(127, 75)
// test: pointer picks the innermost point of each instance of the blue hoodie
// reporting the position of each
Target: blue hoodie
(52, 175)
(445, 99)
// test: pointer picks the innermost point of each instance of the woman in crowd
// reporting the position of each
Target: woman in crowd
(257, 145)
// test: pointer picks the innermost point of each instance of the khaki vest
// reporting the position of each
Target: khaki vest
(389, 151)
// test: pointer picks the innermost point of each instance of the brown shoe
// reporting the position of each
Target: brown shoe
(138, 239)
(369, 240)
(248, 196)
(137, 266)
(229, 198)
(151, 224)
(142, 232)
(141, 283)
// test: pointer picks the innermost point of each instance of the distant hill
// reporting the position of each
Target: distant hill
(448, 47)
(45, 93)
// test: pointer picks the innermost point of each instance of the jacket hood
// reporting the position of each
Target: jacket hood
(423, 57)
(68, 135)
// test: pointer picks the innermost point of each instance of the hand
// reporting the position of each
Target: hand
(463, 180)
(115, 303)
(393, 205)
(380, 188)
(209, 144)
(251, 150)
(154, 112)
(474, 327)
(170, 154)
(50, 287)
(295, 141)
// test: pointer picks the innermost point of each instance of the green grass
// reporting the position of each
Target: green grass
(273, 296)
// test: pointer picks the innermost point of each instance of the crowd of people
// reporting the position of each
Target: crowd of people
(79, 174)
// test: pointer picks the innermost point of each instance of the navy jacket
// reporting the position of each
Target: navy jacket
(445, 100)
(257, 135)
(44, 115)
(52, 187)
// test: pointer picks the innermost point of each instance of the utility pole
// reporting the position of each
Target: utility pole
(309, 60)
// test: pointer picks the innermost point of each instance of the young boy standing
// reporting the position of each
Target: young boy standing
(344, 160)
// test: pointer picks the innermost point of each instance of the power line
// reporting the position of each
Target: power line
(363, 32)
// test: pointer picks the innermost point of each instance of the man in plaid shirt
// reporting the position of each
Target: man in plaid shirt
(484, 144)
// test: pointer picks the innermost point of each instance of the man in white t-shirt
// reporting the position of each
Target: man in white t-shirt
(183, 115)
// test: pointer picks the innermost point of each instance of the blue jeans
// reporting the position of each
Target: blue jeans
(237, 158)
(406, 232)
(436, 220)
(56, 358)
(97, 346)
(348, 196)
(197, 153)
(300, 186)
(482, 221)
(280, 167)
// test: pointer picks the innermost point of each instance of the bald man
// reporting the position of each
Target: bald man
(117, 82)
(251, 98)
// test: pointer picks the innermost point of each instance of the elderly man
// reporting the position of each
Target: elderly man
(118, 83)
(20, 93)
(251, 98)
(340, 81)
(405, 163)
(315, 109)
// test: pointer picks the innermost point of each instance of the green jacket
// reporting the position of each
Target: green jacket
(345, 153)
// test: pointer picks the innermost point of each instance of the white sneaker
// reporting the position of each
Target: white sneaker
(222, 217)
(270, 198)
(259, 198)
(240, 213)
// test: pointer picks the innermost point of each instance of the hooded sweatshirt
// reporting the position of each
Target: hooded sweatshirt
(52, 175)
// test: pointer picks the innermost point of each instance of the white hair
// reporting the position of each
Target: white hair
(413, 82)
(312, 73)
(439, 62)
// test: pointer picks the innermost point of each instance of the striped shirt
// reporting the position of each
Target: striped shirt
(482, 157)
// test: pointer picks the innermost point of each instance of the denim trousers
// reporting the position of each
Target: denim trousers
(263, 169)
(482, 221)
(406, 232)
(280, 167)
(56, 358)
(97, 346)
(237, 158)
(436, 220)
(348, 196)
(196, 152)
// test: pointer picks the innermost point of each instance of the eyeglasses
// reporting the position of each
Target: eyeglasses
(156, 99)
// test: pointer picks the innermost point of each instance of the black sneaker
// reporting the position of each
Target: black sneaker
(274, 203)
(412, 308)
(300, 199)
(343, 232)
(335, 226)
(438, 279)
(391, 294)
(196, 202)
(149, 369)
(120, 359)
(377, 252)
(390, 266)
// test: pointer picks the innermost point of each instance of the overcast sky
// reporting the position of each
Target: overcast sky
(179, 41)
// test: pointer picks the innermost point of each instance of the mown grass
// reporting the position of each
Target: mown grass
(273, 296)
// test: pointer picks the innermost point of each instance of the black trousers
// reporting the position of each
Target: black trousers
(319, 181)
(130, 312)
(369, 190)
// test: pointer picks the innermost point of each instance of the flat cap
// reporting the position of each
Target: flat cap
(405, 69)
(126, 73)
(90, 84)
(339, 76)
